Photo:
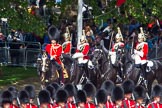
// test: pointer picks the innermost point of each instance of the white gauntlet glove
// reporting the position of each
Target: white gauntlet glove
(111, 53)
(140, 53)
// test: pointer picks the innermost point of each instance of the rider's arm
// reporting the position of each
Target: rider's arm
(85, 50)
(67, 48)
(143, 52)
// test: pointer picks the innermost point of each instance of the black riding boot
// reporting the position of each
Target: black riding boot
(61, 77)
(119, 76)
(60, 71)
(86, 70)
(143, 69)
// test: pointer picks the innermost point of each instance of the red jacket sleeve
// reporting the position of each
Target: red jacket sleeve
(67, 48)
(113, 49)
(85, 50)
(145, 49)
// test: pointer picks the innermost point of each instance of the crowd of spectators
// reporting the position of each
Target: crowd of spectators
(95, 34)
(13, 45)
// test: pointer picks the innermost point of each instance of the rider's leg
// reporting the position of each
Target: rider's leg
(68, 57)
(60, 71)
(143, 69)
(119, 75)
(86, 70)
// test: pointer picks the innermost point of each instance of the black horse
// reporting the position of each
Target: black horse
(104, 69)
(83, 74)
(134, 73)
(43, 68)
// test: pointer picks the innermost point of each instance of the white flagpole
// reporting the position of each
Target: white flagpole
(79, 20)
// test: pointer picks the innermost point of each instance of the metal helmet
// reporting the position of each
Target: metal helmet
(66, 36)
(141, 35)
(83, 36)
(119, 35)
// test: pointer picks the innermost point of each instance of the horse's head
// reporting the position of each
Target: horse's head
(127, 58)
(97, 55)
(128, 63)
(43, 62)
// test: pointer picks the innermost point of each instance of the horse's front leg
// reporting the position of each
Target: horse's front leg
(42, 78)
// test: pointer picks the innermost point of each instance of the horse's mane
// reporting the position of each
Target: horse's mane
(127, 57)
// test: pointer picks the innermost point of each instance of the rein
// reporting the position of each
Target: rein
(103, 62)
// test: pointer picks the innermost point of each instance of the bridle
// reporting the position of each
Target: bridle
(45, 62)
(98, 55)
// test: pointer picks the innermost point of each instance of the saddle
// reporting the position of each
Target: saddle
(65, 73)
(150, 66)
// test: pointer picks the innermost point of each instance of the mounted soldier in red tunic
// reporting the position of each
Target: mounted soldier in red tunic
(116, 52)
(67, 44)
(82, 52)
(140, 54)
(54, 50)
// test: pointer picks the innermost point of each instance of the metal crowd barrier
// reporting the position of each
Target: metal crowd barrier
(19, 53)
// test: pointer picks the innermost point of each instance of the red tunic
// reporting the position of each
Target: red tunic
(117, 45)
(70, 105)
(129, 103)
(109, 104)
(143, 46)
(67, 47)
(27, 106)
(33, 106)
(160, 105)
(138, 106)
(115, 106)
(84, 49)
(57, 106)
(13, 106)
(54, 51)
(155, 104)
(90, 105)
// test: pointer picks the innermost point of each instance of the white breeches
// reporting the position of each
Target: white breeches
(138, 60)
(78, 55)
(112, 57)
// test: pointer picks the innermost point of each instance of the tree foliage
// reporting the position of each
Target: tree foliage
(142, 10)
(18, 15)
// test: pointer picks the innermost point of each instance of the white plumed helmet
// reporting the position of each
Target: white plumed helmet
(83, 36)
(66, 36)
(119, 35)
(141, 35)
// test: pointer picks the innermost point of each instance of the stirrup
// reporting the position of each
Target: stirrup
(145, 83)
(140, 79)
(119, 79)
(91, 67)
